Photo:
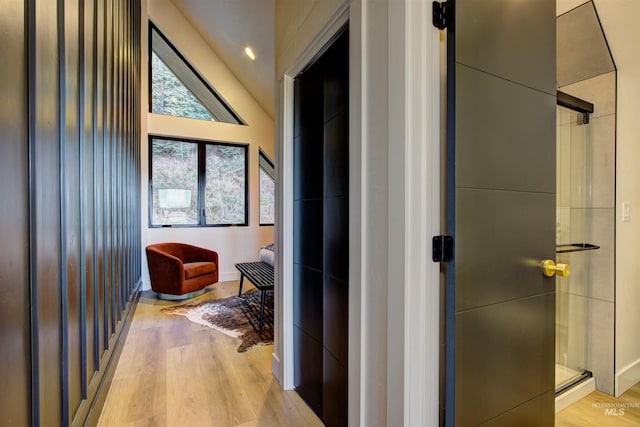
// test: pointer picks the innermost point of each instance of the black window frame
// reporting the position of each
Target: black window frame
(202, 182)
(209, 86)
(263, 155)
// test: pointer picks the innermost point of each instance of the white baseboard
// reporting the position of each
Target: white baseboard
(575, 393)
(228, 276)
(275, 367)
(627, 377)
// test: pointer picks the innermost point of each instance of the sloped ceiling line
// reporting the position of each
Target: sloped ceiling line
(228, 26)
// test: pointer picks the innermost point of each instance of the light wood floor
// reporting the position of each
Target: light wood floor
(592, 411)
(175, 373)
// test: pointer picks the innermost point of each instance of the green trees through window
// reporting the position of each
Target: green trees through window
(174, 179)
(171, 97)
(177, 89)
(197, 183)
(225, 191)
(267, 190)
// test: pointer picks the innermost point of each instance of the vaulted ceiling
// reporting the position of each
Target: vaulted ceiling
(231, 25)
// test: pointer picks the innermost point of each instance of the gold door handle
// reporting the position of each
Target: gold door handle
(549, 268)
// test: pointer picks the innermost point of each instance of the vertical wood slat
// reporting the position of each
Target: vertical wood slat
(118, 171)
(70, 103)
(122, 163)
(98, 202)
(103, 184)
(32, 94)
(95, 133)
(82, 142)
(15, 346)
(62, 147)
(87, 176)
(109, 187)
(105, 175)
(45, 211)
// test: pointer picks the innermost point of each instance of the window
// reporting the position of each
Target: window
(177, 89)
(267, 190)
(197, 183)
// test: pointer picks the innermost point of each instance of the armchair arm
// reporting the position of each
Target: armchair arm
(165, 271)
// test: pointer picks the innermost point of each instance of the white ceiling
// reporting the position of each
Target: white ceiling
(231, 25)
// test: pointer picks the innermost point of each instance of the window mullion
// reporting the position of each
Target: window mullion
(202, 179)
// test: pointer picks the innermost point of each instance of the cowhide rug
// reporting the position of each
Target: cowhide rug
(236, 316)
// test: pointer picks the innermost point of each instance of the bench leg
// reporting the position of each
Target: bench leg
(262, 294)
(241, 280)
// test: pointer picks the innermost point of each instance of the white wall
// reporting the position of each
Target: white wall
(620, 23)
(233, 244)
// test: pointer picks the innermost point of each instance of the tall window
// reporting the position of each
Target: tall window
(177, 89)
(197, 183)
(267, 190)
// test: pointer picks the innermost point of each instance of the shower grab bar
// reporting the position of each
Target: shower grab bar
(575, 247)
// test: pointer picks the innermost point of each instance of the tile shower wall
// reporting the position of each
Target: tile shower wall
(590, 211)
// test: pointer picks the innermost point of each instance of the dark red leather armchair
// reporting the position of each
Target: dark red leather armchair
(179, 271)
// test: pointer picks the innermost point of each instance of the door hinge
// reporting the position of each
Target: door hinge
(442, 248)
(441, 15)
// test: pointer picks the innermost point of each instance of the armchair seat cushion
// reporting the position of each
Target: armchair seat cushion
(195, 269)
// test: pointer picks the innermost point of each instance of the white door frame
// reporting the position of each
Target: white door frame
(394, 209)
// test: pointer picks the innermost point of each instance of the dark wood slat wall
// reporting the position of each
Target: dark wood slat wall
(70, 258)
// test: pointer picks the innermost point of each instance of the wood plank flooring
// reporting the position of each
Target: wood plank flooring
(173, 372)
(601, 410)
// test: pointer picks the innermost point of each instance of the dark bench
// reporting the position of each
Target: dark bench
(261, 275)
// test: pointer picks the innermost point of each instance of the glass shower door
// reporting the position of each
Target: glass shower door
(573, 190)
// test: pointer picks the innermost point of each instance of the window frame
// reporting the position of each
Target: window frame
(263, 155)
(209, 86)
(202, 181)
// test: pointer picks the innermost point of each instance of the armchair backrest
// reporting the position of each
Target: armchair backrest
(185, 252)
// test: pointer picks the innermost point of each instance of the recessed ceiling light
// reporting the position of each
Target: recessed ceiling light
(249, 53)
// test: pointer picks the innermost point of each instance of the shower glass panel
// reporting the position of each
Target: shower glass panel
(573, 197)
